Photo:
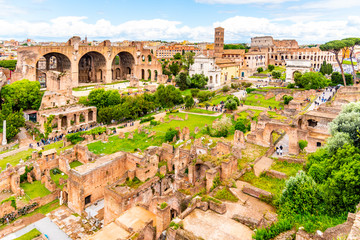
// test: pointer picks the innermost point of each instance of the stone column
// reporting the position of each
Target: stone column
(59, 123)
(77, 119)
(68, 121)
(86, 115)
(4, 141)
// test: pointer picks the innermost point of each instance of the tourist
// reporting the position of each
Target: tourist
(281, 152)
(277, 151)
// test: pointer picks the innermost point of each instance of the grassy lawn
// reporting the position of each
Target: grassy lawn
(45, 209)
(250, 153)
(347, 62)
(34, 190)
(258, 77)
(277, 68)
(29, 235)
(56, 177)
(186, 92)
(253, 113)
(75, 164)
(142, 141)
(24, 155)
(259, 100)
(273, 185)
(289, 168)
(217, 99)
(13, 148)
(199, 110)
(276, 116)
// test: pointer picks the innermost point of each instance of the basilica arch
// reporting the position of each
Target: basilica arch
(92, 67)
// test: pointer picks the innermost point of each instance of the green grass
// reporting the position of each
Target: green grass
(199, 110)
(75, 164)
(252, 112)
(29, 235)
(259, 100)
(250, 154)
(273, 185)
(35, 189)
(186, 92)
(289, 168)
(258, 77)
(274, 115)
(56, 177)
(134, 183)
(225, 194)
(277, 68)
(142, 141)
(347, 62)
(13, 148)
(24, 155)
(217, 99)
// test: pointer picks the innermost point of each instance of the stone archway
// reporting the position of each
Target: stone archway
(125, 62)
(200, 171)
(92, 65)
(51, 69)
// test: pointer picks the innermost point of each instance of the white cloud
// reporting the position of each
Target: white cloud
(237, 29)
(242, 1)
(328, 4)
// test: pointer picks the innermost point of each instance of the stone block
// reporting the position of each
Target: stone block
(131, 135)
(256, 192)
(121, 135)
(247, 221)
(163, 170)
(217, 207)
(276, 174)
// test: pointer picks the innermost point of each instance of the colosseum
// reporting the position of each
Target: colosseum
(77, 63)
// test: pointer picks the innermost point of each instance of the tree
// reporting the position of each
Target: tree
(259, 69)
(198, 81)
(183, 81)
(232, 103)
(335, 47)
(302, 144)
(354, 42)
(301, 195)
(271, 67)
(10, 64)
(348, 122)
(48, 125)
(189, 101)
(276, 74)
(242, 124)
(287, 99)
(336, 78)
(14, 120)
(174, 68)
(312, 80)
(22, 94)
(326, 68)
(170, 134)
(177, 56)
(188, 60)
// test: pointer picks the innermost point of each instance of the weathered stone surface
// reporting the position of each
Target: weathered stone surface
(255, 192)
(218, 208)
(121, 135)
(131, 135)
(248, 221)
(276, 174)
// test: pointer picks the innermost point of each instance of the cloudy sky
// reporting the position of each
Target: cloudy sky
(308, 21)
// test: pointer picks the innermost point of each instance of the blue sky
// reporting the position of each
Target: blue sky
(307, 21)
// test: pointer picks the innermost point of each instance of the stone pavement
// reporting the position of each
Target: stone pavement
(262, 165)
(45, 226)
(326, 94)
(285, 143)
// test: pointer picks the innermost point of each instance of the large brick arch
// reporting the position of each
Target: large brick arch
(75, 49)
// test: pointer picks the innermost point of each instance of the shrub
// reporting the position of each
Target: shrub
(148, 119)
(225, 89)
(163, 205)
(274, 230)
(225, 194)
(271, 67)
(194, 92)
(216, 182)
(249, 90)
(242, 124)
(235, 85)
(301, 195)
(189, 102)
(303, 144)
(154, 123)
(276, 74)
(259, 69)
(287, 99)
(170, 134)
(291, 85)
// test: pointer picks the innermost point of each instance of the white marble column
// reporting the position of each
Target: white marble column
(4, 141)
